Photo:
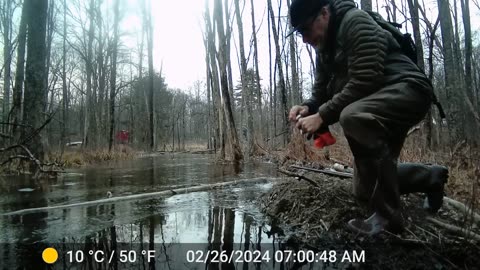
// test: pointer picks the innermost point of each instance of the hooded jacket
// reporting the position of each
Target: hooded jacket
(359, 59)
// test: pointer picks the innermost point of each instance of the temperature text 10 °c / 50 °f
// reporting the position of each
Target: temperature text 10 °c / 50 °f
(100, 256)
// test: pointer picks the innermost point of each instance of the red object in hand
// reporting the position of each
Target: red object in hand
(323, 139)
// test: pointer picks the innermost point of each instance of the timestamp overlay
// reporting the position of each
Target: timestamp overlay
(111, 255)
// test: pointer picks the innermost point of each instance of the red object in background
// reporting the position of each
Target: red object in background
(323, 139)
(122, 136)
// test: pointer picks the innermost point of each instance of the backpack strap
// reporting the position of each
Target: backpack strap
(407, 46)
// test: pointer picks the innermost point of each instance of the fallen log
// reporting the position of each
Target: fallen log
(455, 229)
(334, 173)
(142, 196)
(208, 151)
(463, 208)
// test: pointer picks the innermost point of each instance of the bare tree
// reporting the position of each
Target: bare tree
(6, 15)
(102, 58)
(35, 74)
(149, 28)
(17, 109)
(64, 80)
(247, 95)
(449, 69)
(113, 76)
(413, 7)
(88, 57)
(281, 79)
(293, 65)
(236, 153)
(472, 125)
(257, 73)
(212, 74)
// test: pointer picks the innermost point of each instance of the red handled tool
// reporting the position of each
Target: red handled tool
(323, 139)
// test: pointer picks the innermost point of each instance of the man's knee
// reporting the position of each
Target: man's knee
(354, 120)
(347, 118)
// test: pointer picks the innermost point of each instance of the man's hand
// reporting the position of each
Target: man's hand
(310, 124)
(297, 110)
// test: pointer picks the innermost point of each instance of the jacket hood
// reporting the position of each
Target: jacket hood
(338, 10)
(341, 7)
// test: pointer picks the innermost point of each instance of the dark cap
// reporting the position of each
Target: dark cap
(303, 10)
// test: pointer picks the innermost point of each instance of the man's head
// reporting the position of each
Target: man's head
(310, 19)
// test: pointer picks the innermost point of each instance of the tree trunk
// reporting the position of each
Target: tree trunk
(35, 74)
(295, 78)
(458, 62)
(113, 76)
(208, 74)
(7, 58)
(228, 38)
(215, 88)
(471, 123)
(453, 115)
(271, 129)
(236, 153)
(257, 73)
(150, 80)
(413, 7)
(245, 85)
(102, 80)
(63, 139)
(19, 74)
(281, 79)
(89, 71)
(49, 87)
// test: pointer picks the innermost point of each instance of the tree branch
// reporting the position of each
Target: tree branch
(454, 229)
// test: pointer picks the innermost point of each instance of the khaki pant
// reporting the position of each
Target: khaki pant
(376, 128)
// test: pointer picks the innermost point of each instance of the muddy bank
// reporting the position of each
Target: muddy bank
(315, 218)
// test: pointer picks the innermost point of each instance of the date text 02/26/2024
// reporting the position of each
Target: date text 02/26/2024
(258, 256)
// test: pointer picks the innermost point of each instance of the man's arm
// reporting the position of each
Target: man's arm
(366, 45)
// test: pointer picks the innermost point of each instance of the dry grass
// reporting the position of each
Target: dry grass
(301, 149)
(80, 157)
(463, 162)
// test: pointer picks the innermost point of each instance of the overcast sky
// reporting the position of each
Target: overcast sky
(178, 41)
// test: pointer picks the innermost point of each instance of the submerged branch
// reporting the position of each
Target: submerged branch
(142, 196)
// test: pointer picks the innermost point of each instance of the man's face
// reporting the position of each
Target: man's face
(314, 32)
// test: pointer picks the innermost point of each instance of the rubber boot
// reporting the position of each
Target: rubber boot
(429, 179)
(385, 198)
(376, 224)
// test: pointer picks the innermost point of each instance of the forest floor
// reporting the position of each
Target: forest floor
(315, 217)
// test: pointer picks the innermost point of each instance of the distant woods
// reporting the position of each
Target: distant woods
(71, 74)
(445, 52)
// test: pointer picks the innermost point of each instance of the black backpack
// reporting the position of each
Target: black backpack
(406, 44)
(404, 40)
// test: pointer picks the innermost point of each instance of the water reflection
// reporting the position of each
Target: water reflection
(222, 220)
(226, 231)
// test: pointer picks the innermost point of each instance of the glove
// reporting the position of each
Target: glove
(323, 139)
